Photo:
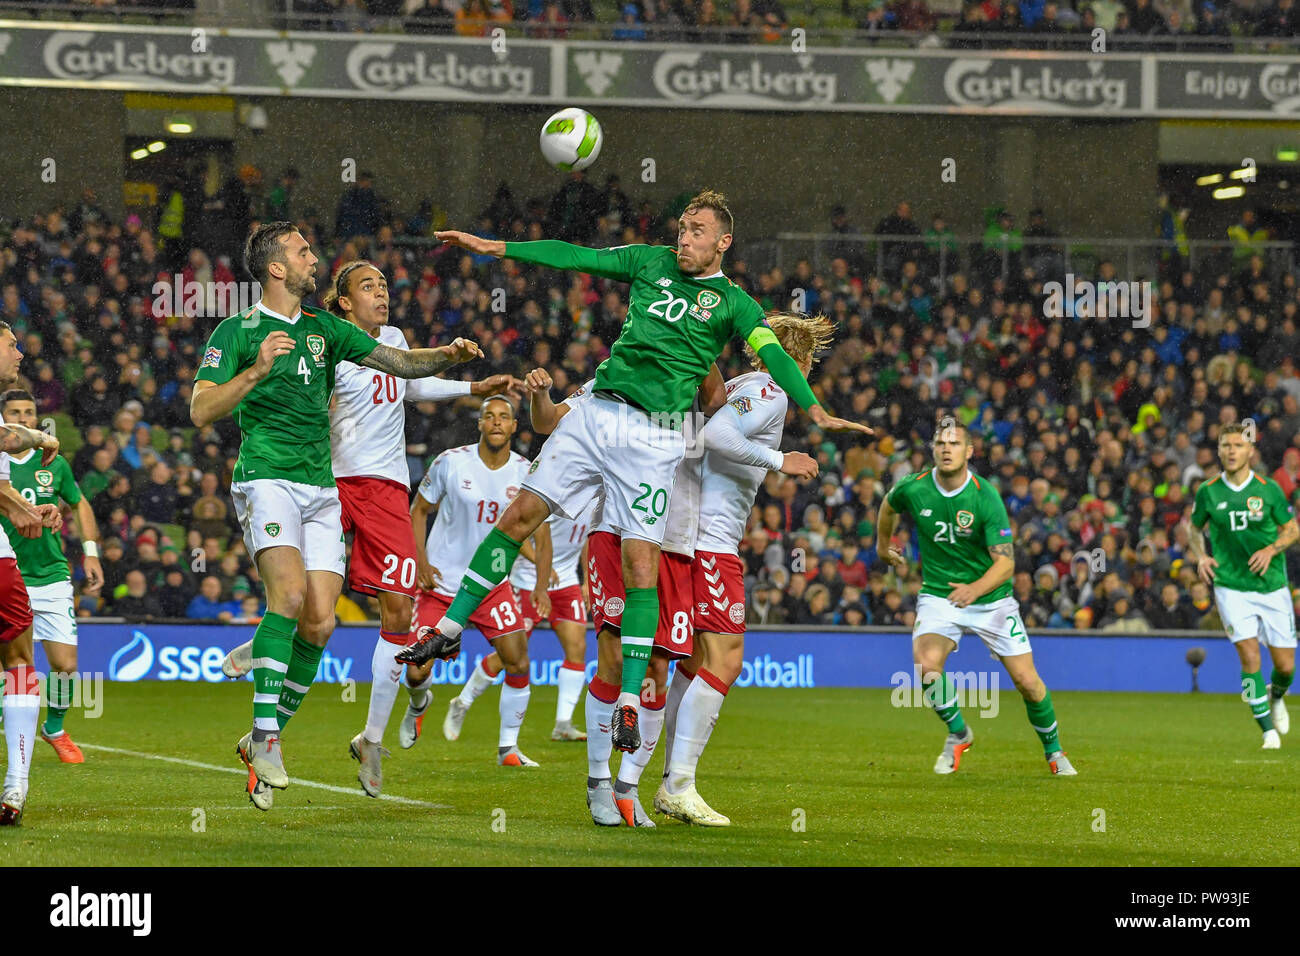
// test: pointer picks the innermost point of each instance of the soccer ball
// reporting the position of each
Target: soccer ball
(571, 139)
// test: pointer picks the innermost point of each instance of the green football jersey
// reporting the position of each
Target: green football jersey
(284, 422)
(676, 327)
(1239, 523)
(41, 560)
(956, 530)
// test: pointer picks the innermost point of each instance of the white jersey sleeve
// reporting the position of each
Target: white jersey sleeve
(473, 498)
(435, 389)
(368, 420)
(728, 486)
(6, 549)
(683, 518)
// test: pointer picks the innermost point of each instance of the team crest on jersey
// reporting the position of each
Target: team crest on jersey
(45, 478)
(273, 528)
(1255, 505)
(316, 345)
(533, 467)
(511, 492)
(965, 519)
(613, 606)
(211, 358)
(708, 299)
(737, 613)
(742, 404)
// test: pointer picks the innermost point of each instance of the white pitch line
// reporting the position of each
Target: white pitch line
(302, 783)
(1257, 761)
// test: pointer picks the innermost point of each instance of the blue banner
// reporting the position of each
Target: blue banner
(792, 658)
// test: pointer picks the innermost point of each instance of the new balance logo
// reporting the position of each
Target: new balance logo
(890, 76)
(1222, 505)
(926, 513)
(665, 282)
(598, 69)
(290, 59)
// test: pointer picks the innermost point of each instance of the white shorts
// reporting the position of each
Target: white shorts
(1268, 616)
(612, 454)
(998, 625)
(53, 617)
(278, 513)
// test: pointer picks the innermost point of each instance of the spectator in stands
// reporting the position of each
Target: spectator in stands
(1279, 20)
(630, 27)
(552, 22)
(1171, 612)
(471, 20)
(899, 223)
(765, 606)
(207, 604)
(816, 607)
(432, 18)
(574, 210)
(137, 602)
(359, 209)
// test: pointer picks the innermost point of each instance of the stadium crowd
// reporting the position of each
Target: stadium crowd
(1097, 433)
(1040, 24)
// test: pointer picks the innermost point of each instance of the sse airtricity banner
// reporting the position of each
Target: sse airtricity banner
(773, 659)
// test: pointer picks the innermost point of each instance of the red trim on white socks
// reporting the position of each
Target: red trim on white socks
(714, 681)
(573, 666)
(603, 691)
(392, 637)
(516, 680)
(24, 681)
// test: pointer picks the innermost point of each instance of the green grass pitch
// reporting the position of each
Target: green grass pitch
(1180, 779)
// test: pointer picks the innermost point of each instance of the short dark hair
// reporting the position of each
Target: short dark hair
(264, 247)
(499, 398)
(949, 422)
(16, 395)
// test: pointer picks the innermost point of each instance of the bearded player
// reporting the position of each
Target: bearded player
(472, 486)
(1250, 525)
(741, 444)
(22, 698)
(367, 438)
(273, 368)
(46, 572)
(623, 447)
(967, 561)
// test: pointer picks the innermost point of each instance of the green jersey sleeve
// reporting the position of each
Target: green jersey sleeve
(620, 263)
(997, 524)
(347, 342)
(897, 497)
(1201, 510)
(221, 359)
(1279, 507)
(68, 489)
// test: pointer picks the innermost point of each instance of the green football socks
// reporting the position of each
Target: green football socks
(1252, 692)
(272, 649)
(941, 694)
(487, 569)
(1042, 717)
(303, 662)
(640, 619)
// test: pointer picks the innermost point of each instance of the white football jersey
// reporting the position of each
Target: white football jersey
(567, 538)
(471, 497)
(368, 422)
(727, 487)
(6, 549)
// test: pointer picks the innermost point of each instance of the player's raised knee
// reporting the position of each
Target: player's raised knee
(524, 515)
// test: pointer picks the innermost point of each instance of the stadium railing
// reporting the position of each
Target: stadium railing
(1133, 258)
(833, 27)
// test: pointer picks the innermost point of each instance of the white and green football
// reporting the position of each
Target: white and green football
(571, 139)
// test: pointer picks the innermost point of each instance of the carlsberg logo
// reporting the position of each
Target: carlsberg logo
(78, 55)
(989, 82)
(679, 77)
(386, 67)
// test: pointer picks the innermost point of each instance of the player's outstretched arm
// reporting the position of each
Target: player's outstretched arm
(787, 374)
(421, 363)
(725, 434)
(618, 263)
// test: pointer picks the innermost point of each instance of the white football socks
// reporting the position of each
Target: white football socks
(513, 706)
(633, 765)
(22, 707)
(681, 681)
(600, 716)
(478, 682)
(569, 683)
(385, 672)
(695, 720)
